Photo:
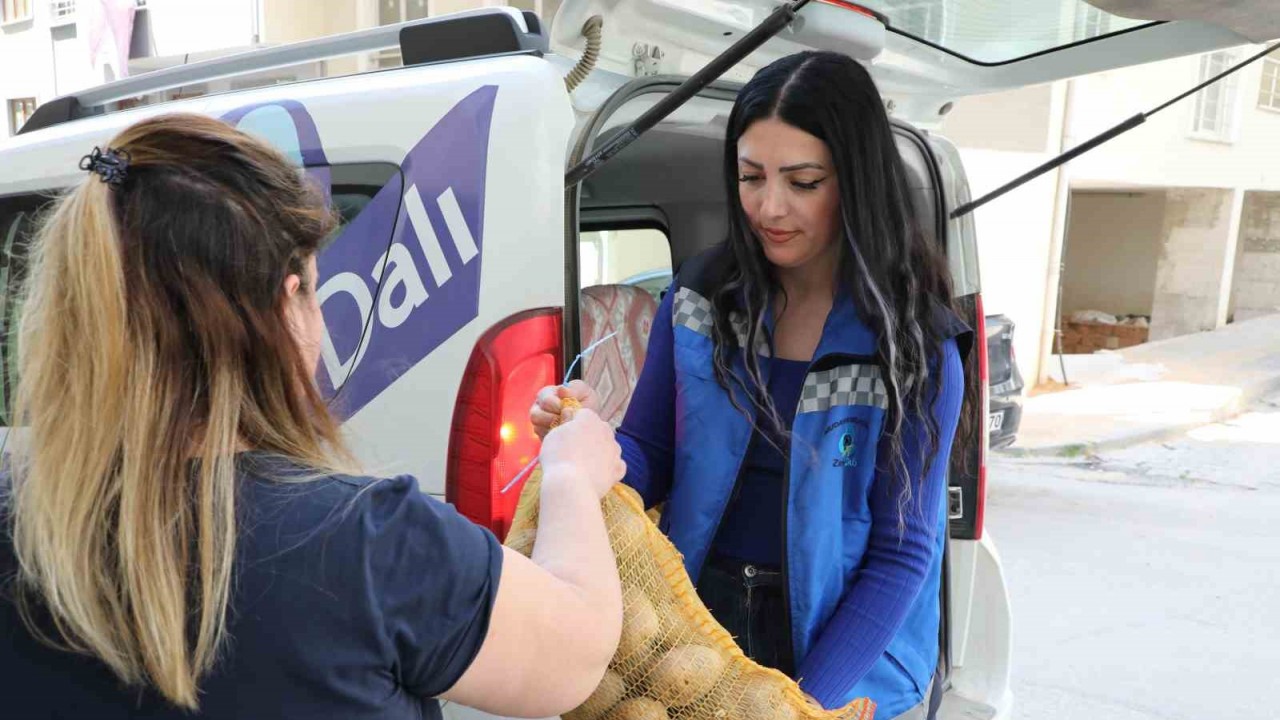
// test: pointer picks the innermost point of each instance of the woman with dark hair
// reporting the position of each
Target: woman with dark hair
(801, 395)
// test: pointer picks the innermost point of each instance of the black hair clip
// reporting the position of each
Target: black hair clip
(110, 164)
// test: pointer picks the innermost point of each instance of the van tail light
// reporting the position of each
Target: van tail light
(984, 395)
(491, 439)
(855, 7)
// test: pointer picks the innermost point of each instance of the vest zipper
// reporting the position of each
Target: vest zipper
(824, 360)
(786, 572)
(724, 508)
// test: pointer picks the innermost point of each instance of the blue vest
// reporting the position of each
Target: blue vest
(830, 470)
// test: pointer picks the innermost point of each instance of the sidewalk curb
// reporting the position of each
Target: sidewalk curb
(1240, 404)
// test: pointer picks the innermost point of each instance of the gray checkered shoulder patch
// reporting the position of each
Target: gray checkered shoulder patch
(694, 312)
(844, 385)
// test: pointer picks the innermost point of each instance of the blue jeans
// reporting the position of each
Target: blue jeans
(748, 601)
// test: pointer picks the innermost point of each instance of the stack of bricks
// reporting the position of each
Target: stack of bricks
(1082, 338)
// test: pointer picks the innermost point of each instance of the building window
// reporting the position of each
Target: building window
(1091, 23)
(20, 111)
(391, 12)
(1269, 95)
(18, 215)
(1215, 111)
(626, 256)
(62, 12)
(15, 10)
(397, 11)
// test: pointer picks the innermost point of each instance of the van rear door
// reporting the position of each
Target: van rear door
(922, 53)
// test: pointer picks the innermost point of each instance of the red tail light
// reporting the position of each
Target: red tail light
(491, 439)
(852, 6)
(984, 380)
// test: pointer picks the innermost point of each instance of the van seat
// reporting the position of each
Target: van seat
(614, 368)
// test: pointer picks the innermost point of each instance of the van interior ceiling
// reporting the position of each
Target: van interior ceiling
(638, 181)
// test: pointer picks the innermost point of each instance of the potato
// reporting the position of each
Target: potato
(654, 514)
(685, 674)
(639, 709)
(764, 698)
(640, 625)
(608, 693)
(630, 492)
(627, 529)
(522, 541)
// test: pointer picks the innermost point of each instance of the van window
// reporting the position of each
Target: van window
(350, 188)
(353, 185)
(627, 256)
(17, 222)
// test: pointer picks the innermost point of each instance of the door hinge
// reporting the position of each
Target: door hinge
(647, 59)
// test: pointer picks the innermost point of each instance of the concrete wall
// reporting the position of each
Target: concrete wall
(1015, 232)
(1162, 152)
(286, 21)
(998, 136)
(1113, 247)
(1013, 121)
(1256, 289)
(1197, 228)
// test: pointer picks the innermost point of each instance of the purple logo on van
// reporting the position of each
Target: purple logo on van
(404, 275)
(387, 306)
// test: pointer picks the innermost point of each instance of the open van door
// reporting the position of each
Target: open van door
(922, 53)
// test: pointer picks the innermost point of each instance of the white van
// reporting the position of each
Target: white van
(458, 283)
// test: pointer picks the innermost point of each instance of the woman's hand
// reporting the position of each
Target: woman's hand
(583, 449)
(546, 409)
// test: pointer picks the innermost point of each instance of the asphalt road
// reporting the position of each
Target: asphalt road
(1145, 583)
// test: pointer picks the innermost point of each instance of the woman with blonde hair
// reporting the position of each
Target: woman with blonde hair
(179, 534)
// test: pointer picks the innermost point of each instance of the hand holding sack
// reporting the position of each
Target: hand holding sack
(674, 661)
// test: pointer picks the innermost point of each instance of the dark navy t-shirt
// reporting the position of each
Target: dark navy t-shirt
(353, 598)
(751, 530)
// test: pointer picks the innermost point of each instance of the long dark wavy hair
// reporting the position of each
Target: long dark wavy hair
(899, 278)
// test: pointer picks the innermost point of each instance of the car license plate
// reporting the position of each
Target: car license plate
(995, 421)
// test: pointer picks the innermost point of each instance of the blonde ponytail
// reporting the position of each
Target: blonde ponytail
(124, 513)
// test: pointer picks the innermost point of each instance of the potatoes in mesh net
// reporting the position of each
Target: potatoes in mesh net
(764, 697)
(630, 492)
(639, 709)
(685, 674)
(640, 625)
(627, 529)
(609, 693)
(674, 661)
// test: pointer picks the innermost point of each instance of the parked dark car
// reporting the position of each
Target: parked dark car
(1006, 383)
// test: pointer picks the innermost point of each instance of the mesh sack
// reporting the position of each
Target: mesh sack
(674, 661)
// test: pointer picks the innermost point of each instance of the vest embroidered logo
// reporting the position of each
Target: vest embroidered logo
(847, 447)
